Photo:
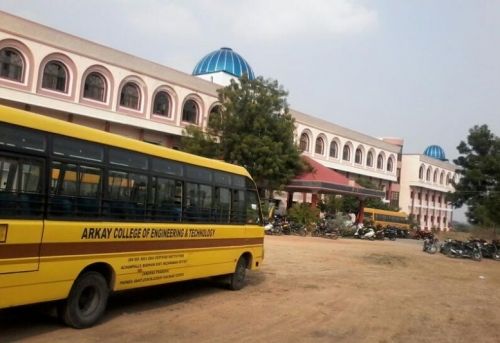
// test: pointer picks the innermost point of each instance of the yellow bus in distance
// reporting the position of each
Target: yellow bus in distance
(385, 219)
(84, 213)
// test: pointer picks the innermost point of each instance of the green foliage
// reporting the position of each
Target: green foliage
(303, 213)
(366, 183)
(350, 204)
(331, 204)
(253, 129)
(479, 170)
(190, 141)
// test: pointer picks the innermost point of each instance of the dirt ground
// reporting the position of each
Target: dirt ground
(309, 289)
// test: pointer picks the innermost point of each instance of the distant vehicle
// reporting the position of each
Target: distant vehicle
(386, 219)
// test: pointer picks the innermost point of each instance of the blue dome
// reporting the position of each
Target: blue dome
(435, 151)
(226, 60)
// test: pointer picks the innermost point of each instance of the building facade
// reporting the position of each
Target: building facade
(56, 74)
(425, 181)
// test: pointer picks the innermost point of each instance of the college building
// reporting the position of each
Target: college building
(56, 74)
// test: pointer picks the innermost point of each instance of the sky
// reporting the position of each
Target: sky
(423, 70)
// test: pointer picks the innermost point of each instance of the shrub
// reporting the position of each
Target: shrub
(304, 214)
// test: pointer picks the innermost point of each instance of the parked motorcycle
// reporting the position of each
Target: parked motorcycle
(431, 245)
(275, 230)
(365, 233)
(400, 233)
(275, 227)
(326, 230)
(296, 229)
(390, 233)
(380, 234)
(469, 249)
(489, 250)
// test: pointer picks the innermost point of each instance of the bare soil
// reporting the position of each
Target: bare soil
(309, 289)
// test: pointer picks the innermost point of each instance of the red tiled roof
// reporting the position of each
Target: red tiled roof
(324, 174)
(324, 180)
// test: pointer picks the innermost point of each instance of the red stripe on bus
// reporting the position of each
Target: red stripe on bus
(88, 248)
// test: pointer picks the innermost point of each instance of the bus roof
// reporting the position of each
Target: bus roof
(43, 123)
(387, 212)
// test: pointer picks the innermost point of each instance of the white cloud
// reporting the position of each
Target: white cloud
(256, 20)
(283, 19)
(156, 17)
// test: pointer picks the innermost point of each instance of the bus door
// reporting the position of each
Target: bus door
(21, 212)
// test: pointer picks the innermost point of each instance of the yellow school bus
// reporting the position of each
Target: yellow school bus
(384, 218)
(84, 213)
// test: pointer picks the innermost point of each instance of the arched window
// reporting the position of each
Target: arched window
(428, 174)
(190, 112)
(304, 142)
(11, 64)
(215, 117)
(380, 161)
(421, 173)
(390, 164)
(130, 96)
(441, 177)
(334, 149)
(320, 146)
(369, 159)
(55, 77)
(161, 104)
(435, 178)
(358, 156)
(95, 87)
(346, 153)
(448, 179)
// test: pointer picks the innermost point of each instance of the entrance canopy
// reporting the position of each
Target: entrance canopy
(324, 180)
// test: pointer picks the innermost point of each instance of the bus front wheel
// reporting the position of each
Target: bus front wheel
(86, 302)
(237, 279)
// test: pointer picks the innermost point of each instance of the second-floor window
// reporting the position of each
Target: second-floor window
(161, 104)
(190, 112)
(95, 87)
(130, 96)
(55, 77)
(11, 64)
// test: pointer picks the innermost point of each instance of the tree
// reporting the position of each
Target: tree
(479, 169)
(254, 129)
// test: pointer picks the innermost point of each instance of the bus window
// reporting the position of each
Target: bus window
(128, 159)
(222, 205)
(205, 202)
(20, 188)
(22, 139)
(127, 194)
(238, 207)
(165, 199)
(167, 167)
(199, 174)
(63, 190)
(197, 202)
(74, 191)
(90, 180)
(253, 213)
(77, 149)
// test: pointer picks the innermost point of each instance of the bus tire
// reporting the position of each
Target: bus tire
(237, 279)
(86, 302)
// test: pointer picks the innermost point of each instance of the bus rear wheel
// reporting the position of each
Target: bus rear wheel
(86, 302)
(237, 279)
